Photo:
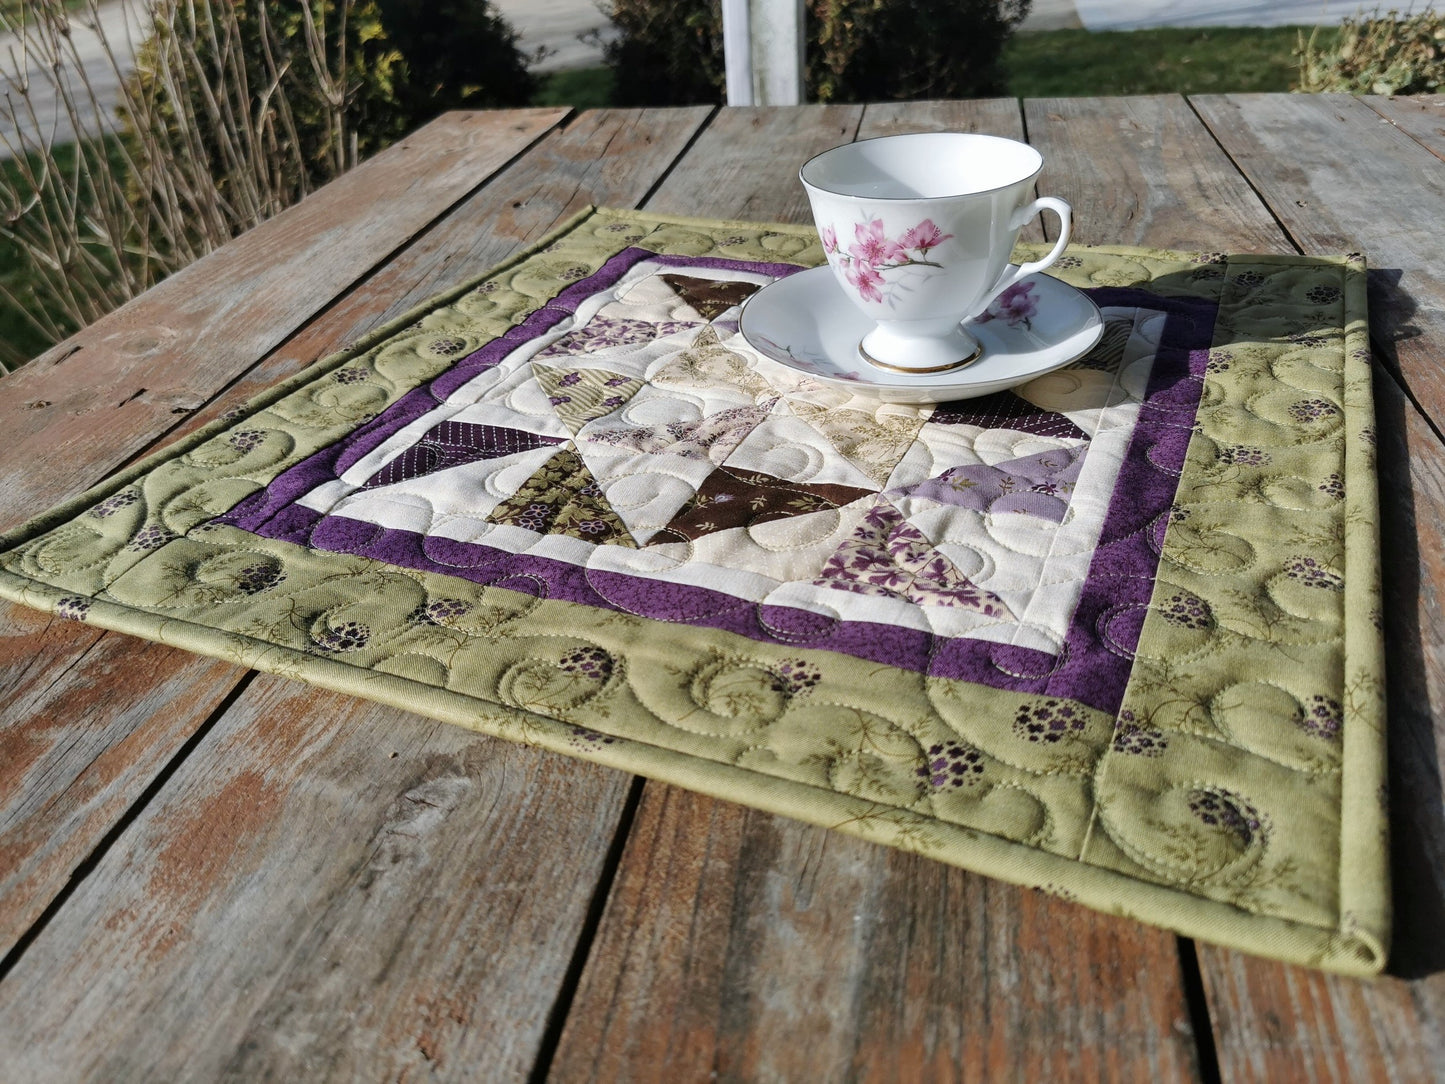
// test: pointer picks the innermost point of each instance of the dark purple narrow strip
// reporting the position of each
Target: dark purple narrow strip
(1104, 632)
(703, 607)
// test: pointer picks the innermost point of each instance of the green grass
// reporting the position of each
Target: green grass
(17, 334)
(1185, 60)
(581, 88)
(1083, 63)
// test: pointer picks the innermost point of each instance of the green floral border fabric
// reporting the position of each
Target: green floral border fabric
(1230, 785)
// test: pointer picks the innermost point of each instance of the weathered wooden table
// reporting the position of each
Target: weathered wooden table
(334, 889)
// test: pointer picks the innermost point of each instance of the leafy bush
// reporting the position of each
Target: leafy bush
(235, 110)
(337, 79)
(1389, 55)
(456, 54)
(667, 52)
(671, 52)
(865, 50)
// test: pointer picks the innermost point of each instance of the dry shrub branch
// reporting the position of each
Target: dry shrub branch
(232, 111)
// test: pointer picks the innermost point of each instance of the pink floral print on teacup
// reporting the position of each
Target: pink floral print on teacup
(873, 253)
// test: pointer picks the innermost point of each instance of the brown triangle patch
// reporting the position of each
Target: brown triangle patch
(710, 297)
(734, 498)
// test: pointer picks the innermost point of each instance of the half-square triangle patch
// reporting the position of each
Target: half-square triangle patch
(874, 442)
(890, 557)
(580, 395)
(730, 498)
(1005, 410)
(610, 332)
(708, 364)
(454, 444)
(711, 437)
(710, 297)
(564, 498)
(1038, 484)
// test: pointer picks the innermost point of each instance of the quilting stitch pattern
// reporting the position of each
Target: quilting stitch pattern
(1037, 621)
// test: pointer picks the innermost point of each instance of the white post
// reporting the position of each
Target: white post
(778, 51)
(763, 47)
(737, 51)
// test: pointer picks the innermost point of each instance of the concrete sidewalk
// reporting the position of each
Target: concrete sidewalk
(559, 25)
(1143, 14)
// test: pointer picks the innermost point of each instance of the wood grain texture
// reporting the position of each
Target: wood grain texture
(112, 388)
(1276, 1023)
(738, 946)
(604, 158)
(1421, 117)
(86, 722)
(326, 890)
(87, 756)
(990, 116)
(760, 948)
(1353, 182)
(1144, 171)
(745, 163)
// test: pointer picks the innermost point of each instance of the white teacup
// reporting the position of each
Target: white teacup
(918, 230)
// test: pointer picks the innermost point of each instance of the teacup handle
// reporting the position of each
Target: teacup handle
(1066, 221)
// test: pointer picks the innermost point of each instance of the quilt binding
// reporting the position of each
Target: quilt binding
(1357, 945)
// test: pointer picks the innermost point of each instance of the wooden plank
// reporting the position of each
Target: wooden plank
(1421, 117)
(87, 722)
(1274, 1022)
(749, 947)
(602, 158)
(1144, 171)
(1318, 1027)
(755, 947)
(113, 387)
(327, 890)
(745, 165)
(1352, 181)
(608, 157)
(991, 116)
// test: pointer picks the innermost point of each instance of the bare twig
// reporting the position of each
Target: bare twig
(204, 144)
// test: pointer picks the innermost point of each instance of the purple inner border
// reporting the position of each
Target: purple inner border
(1093, 666)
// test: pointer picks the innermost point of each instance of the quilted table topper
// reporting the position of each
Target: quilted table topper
(1113, 634)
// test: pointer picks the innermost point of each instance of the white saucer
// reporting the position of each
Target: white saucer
(806, 322)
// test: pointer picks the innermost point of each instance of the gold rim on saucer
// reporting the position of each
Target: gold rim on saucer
(946, 367)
